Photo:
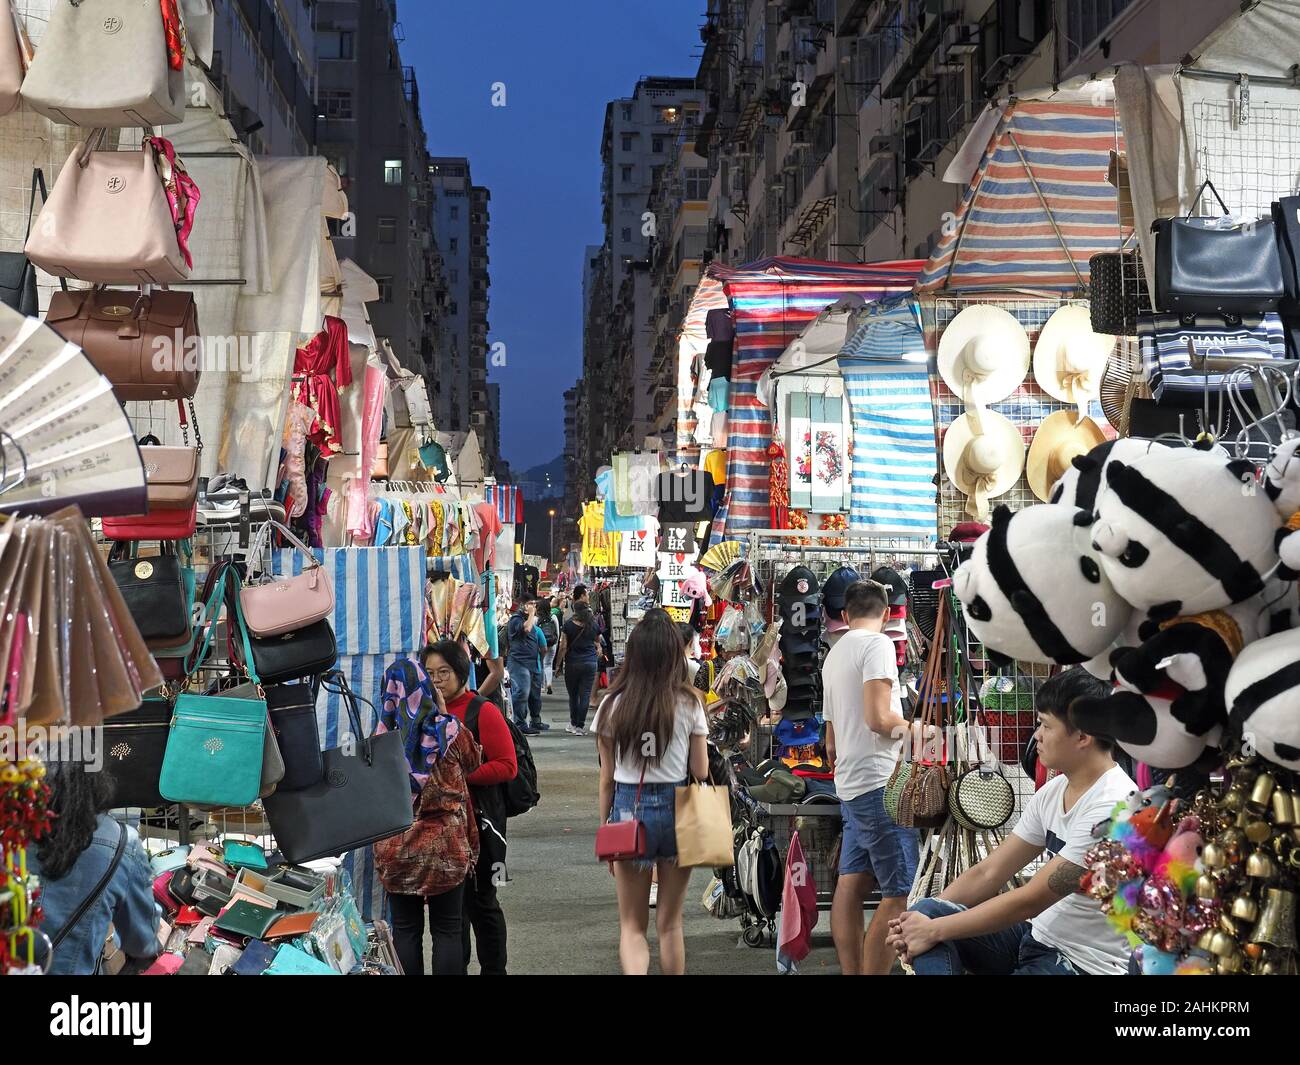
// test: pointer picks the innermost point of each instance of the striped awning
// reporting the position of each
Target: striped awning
(772, 300)
(891, 332)
(1039, 206)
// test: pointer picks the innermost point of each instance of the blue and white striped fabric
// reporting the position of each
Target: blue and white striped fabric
(894, 461)
(459, 566)
(378, 596)
(509, 500)
(1167, 366)
(894, 454)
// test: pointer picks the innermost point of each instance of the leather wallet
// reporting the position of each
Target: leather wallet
(256, 957)
(197, 963)
(168, 965)
(240, 855)
(186, 917)
(246, 919)
(181, 887)
(293, 924)
(290, 961)
(223, 958)
(199, 933)
(166, 861)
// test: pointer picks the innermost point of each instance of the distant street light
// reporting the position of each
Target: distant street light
(551, 512)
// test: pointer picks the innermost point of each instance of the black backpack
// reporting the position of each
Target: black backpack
(520, 794)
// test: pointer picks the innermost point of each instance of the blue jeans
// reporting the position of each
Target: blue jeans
(579, 678)
(657, 812)
(1010, 952)
(525, 692)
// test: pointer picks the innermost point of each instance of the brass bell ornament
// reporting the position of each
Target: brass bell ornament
(1276, 927)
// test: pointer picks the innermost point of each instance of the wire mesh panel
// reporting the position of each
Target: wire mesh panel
(1251, 154)
(1025, 408)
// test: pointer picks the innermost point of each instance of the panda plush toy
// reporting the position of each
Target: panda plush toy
(1080, 484)
(1033, 589)
(1282, 486)
(1185, 538)
(1263, 698)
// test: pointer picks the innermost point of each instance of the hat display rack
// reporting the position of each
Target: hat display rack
(1027, 406)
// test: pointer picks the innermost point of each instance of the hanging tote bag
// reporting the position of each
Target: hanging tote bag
(363, 796)
(14, 57)
(214, 754)
(703, 821)
(916, 794)
(158, 590)
(1209, 266)
(108, 220)
(276, 607)
(105, 63)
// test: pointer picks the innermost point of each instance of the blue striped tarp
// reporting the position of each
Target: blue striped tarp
(378, 595)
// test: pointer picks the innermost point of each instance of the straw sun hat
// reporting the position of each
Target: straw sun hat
(1069, 358)
(1060, 438)
(983, 354)
(983, 456)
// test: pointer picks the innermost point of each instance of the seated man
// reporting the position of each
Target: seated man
(1044, 927)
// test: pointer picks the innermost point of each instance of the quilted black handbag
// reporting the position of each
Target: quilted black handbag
(1206, 267)
(364, 795)
(1117, 292)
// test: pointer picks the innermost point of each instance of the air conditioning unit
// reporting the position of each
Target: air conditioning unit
(962, 39)
(883, 144)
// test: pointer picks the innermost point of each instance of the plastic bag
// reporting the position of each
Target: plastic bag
(732, 632)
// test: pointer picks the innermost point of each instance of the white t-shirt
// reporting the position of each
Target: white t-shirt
(672, 767)
(1075, 925)
(863, 759)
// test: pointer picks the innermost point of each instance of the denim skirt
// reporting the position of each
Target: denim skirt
(657, 812)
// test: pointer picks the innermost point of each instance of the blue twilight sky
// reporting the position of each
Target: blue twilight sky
(540, 157)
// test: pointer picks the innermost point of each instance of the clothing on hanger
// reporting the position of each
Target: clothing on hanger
(314, 386)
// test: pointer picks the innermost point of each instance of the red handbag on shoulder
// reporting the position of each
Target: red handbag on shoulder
(621, 841)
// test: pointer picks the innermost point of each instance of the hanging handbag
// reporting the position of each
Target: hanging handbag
(108, 220)
(272, 759)
(622, 841)
(147, 345)
(162, 525)
(281, 606)
(1207, 266)
(17, 274)
(106, 64)
(296, 655)
(920, 786)
(172, 474)
(215, 751)
(156, 592)
(364, 795)
(133, 746)
(981, 799)
(293, 720)
(15, 57)
(703, 826)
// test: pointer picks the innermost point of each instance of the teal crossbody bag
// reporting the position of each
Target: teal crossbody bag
(214, 746)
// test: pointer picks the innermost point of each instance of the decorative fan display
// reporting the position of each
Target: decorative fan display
(64, 438)
(720, 556)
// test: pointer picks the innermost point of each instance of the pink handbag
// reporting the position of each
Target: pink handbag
(279, 606)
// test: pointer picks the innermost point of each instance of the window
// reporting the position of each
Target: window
(627, 234)
(385, 289)
(453, 245)
(697, 183)
(627, 142)
(387, 230)
(627, 175)
(392, 171)
(455, 212)
(658, 144)
(454, 308)
(334, 44)
(627, 112)
(1087, 22)
(336, 103)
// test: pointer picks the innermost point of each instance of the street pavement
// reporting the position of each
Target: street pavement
(560, 904)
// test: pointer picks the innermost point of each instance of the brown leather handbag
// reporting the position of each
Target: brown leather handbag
(919, 788)
(172, 474)
(147, 345)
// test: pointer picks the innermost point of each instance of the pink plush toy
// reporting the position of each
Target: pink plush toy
(696, 585)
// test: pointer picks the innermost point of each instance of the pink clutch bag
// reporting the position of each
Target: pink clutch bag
(277, 607)
(166, 965)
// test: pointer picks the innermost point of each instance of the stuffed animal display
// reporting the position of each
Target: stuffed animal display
(1163, 563)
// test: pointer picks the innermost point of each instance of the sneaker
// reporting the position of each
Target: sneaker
(654, 895)
(572, 731)
(550, 690)
(541, 726)
(528, 730)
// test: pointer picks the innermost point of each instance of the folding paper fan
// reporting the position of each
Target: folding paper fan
(720, 556)
(64, 437)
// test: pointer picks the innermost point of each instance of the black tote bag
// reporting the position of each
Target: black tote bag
(293, 719)
(133, 746)
(363, 797)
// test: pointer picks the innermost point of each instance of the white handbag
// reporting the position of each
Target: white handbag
(14, 57)
(108, 221)
(104, 63)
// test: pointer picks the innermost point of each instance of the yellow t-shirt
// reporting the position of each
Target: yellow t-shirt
(715, 465)
(599, 548)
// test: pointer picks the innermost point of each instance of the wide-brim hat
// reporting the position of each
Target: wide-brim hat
(983, 464)
(1069, 358)
(983, 354)
(1061, 437)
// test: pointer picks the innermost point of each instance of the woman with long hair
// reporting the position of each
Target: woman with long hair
(93, 872)
(580, 657)
(652, 733)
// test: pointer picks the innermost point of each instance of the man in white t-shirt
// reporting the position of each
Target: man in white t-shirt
(864, 734)
(1045, 927)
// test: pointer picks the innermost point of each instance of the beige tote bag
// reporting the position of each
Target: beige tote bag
(108, 221)
(104, 63)
(13, 57)
(703, 826)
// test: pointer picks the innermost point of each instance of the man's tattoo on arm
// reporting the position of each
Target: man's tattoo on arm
(1064, 879)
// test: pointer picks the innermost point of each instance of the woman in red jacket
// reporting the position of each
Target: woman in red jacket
(448, 667)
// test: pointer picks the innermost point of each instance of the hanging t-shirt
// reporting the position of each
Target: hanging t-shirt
(684, 497)
(599, 548)
(638, 548)
(1075, 925)
(614, 522)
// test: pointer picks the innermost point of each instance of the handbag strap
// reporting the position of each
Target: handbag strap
(98, 890)
(212, 610)
(1207, 184)
(265, 532)
(335, 682)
